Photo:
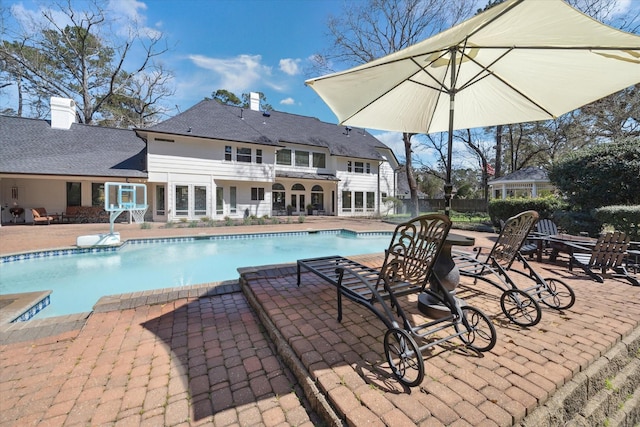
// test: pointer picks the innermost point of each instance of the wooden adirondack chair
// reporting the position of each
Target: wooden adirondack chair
(607, 255)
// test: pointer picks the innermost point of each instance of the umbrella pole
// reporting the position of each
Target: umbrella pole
(448, 186)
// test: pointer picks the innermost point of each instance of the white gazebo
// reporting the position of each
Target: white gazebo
(531, 181)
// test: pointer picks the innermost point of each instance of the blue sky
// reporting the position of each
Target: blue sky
(238, 45)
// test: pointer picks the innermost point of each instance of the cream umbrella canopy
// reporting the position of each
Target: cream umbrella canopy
(520, 61)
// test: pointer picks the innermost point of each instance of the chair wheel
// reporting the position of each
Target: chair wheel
(556, 294)
(404, 357)
(478, 328)
(520, 307)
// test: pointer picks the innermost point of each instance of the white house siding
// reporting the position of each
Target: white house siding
(356, 184)
(195, 166)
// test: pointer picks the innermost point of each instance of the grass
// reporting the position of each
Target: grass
(475, 221)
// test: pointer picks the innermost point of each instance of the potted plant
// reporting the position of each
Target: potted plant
(289, 210)
(309, 209)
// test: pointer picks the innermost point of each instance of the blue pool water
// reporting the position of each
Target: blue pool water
(78, 281)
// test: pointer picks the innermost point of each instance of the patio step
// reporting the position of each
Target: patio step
(607, 393)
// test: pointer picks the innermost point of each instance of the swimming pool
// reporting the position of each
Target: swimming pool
(78, 281)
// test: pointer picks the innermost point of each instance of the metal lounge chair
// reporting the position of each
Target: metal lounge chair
(519, 305)
(607, 255)
(407, 268)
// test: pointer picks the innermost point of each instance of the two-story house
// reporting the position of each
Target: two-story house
(211, 160)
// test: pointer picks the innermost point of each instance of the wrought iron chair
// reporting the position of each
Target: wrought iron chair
(407, 268)
(519, 305)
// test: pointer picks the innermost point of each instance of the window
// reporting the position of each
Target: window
(227, 153)
(359, 201)
(371, 200)
(283, 157)
(182, 200)
(317, 197)
(160, 207)
(346, 201)
(349, 166)
(97, 194)
(233, 204)
(297, 187)
(257, 193)
(319, 160)
(359, 167)
(368, 167)
(200, 201)
(219, 200)
(74, 194)
(258, 156)
(278, 198)
(243, 155)
(302, 158)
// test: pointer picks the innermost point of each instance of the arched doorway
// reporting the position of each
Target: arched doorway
(297, 198)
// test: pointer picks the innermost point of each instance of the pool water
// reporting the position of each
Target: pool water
(79, 281)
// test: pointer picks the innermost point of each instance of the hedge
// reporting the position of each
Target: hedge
(503, 209)
(624, 218)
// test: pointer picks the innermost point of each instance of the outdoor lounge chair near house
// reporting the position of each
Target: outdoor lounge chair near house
(407, 268)
(40, 216)
(519, 305)
(606, 255)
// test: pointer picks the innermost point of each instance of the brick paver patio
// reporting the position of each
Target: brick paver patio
(275, 355)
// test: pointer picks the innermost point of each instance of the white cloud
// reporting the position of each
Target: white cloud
(288, 101)
(290, 66)
(238, 74)
(392, 140)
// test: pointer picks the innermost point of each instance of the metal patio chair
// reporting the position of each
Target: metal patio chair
(521, 306)
(407, 268)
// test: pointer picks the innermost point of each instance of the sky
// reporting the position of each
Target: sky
(239, 45)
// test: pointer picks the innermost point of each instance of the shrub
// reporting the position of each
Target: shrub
(301, 219)
(603, 175)
(621, 218)
(576, 222)
(547, 207)
(145, 226)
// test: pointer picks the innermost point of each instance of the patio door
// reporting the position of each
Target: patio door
(297, 198)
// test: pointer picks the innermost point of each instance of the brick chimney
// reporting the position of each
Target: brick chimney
(63, 113)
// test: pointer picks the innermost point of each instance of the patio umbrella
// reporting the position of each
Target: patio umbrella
(520, 61)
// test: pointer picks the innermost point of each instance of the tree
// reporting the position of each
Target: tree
(602, 175)
(76, 61)
(369, 30)
(226, 97)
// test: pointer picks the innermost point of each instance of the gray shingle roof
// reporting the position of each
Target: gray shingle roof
(210, 119)
(530, 173)
(32, 146)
